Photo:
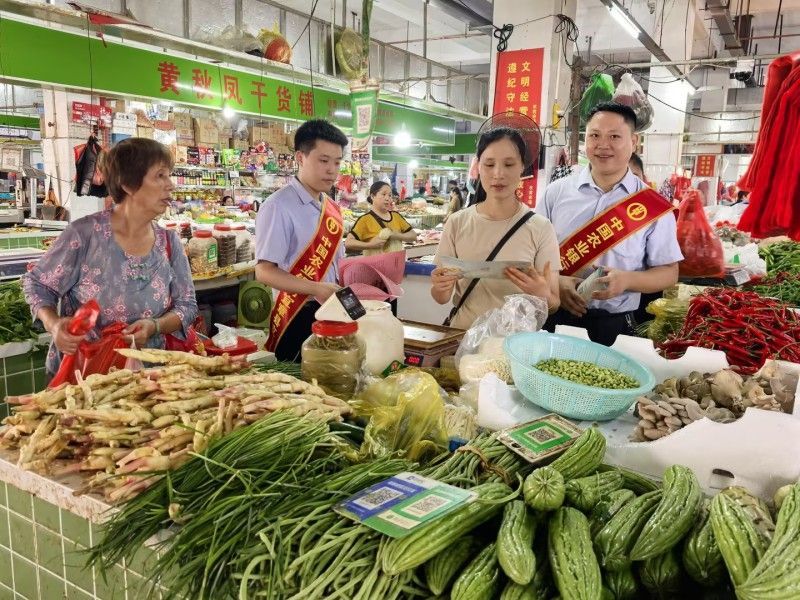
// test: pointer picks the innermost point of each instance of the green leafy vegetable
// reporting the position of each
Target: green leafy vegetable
(16, 324)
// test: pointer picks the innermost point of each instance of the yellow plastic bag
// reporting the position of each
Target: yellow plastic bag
(406, 414)
(669, 316)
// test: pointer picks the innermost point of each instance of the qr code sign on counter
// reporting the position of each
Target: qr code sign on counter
(425, 506)
(378, 498)
(542, 435)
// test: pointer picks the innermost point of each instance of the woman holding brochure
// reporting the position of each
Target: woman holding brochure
(498, 227)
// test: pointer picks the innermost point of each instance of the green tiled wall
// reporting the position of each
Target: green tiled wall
(9, 243)
(21, 374)
(41, 555)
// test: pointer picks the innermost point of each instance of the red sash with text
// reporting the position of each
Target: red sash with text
(610, 228)
(312, 264)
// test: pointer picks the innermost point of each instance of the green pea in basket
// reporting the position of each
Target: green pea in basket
(566, 398)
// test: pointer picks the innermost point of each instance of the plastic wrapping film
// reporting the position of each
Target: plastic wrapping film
(406, 413)
(631, 94)
(230, 38)
(481, 348)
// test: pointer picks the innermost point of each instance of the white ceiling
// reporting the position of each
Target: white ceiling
(398, 20)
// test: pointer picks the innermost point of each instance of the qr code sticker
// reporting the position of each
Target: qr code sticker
(364, 118)
(378, 498)
(542, 435)
(425, 506)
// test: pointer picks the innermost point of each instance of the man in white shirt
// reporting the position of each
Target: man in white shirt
(640, 257)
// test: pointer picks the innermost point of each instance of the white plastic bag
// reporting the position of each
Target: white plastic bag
(631, 94)
(134, 364)
(747, 256)
(481, 348)
(230, 38)
(226, 337)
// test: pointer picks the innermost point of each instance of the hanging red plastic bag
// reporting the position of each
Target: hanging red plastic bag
(631, 94)
(680, 185)
(702, 250)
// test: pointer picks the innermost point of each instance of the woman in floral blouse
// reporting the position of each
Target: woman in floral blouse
(136, 270)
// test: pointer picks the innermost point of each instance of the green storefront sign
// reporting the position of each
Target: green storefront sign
(35, 54)
(20, 121)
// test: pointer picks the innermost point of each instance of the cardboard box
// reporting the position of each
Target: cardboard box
(164, 125)
(124, 120)
(239, 144)
(142, 120)
(206, 132)
(185, 139)
(182, 120)
(145, 132)
(258, 133)
(181, 155)
(164, 137)
(192, 156)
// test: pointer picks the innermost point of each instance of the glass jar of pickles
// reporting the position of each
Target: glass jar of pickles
(334, 357)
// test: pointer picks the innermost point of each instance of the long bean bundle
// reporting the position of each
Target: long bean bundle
(781, 257)
(334, 553)
(484, 460)
(271, 449)
(256, 517)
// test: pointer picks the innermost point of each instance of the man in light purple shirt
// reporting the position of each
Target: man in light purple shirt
(287, 222)
(645, 262)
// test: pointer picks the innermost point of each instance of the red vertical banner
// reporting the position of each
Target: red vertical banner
(518, 89)
(518, 82)
(526, 192)
(705, 165)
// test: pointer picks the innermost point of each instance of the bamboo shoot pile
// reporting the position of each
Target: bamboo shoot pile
(124, 429)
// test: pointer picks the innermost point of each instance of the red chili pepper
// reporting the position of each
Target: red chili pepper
(748, 327)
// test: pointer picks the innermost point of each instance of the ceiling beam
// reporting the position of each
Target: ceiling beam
(648, 42)
(722, 17)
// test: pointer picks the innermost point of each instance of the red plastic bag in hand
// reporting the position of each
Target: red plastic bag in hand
(702, 249)
(99, 357)
(81, 323)
(94, 357)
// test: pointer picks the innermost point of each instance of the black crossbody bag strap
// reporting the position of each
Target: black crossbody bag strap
(492, 255)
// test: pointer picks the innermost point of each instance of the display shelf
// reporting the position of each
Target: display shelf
(223, 187)
(223, 281)
(203, 187)
(200, 168)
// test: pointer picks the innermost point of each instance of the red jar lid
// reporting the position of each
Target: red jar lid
(202, 233)
(334, 328)
(222, 227)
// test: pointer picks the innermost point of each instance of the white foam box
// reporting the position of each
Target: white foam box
(757, 451)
